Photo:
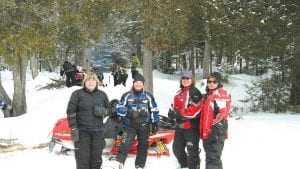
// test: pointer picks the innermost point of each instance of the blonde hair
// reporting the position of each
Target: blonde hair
(90, 76)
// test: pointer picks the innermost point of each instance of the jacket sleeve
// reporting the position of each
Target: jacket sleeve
(106, 101)
(223, 102)
(121, 106)
(72, 110)
(154, 110)
(194, 106)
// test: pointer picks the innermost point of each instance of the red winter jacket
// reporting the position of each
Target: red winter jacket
(187, 101)
(220, 98)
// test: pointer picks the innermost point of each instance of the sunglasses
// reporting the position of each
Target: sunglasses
(212, 81)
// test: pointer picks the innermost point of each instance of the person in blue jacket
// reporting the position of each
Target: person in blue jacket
(140, 115)
(4, 105)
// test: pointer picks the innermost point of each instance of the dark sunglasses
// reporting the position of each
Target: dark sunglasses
(185, 78)
(212, 81)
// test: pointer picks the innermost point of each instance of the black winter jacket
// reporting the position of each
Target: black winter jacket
(81, 107)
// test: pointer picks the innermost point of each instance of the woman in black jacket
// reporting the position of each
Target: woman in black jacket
(86, 109)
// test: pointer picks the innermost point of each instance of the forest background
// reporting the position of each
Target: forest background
(232, 36)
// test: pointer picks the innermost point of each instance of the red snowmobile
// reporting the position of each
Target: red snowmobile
(61, 142)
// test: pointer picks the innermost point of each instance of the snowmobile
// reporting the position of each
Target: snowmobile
(62, 144)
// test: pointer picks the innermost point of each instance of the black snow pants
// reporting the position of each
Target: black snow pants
(88, 150)
(187, 139)
(70, 77)
(214, 145)
(142, 134)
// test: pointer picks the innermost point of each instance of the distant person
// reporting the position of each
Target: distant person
(185, 111)
(133, 71)
(213, 122)
(84, 69)
(86, 109)
(4, 105)
(141, 116)
(119, 74)
(69, 70)
(99, 74)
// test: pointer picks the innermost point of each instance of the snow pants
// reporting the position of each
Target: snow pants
(88, 150)
(70, 77)
(142, 148)
(214, 145)
(187, 139)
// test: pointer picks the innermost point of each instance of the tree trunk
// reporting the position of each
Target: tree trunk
(86, 59)
(197, 58)
(192, 60)
(184, 64)
(241, 65)
(34, 66)
(4, 95)
(295, 77)
(19, 76)
(206, 60)
(147, 70)
(139, 46)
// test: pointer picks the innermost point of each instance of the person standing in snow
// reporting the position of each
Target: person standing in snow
(185, 111)
(213, 121)
(4, 105)
(69, 69)
(85, 112)
(140, 114)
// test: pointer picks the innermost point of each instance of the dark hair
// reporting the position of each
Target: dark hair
(217, 76)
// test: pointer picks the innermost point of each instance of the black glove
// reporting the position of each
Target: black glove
(74, 134)
(174, 114)
(112, 112)
(143, 115)
(154, 128)
(101, 112)
(132, 114)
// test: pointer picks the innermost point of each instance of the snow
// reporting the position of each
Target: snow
(258, 141)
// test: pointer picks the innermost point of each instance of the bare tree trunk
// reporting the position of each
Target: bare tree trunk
(241, 64)
(34, 66)
(19, 76)
(295, 78)
(4, 95)
(206, 60)
(139, 46)
(197, 57)
(184, 64)
(86, 58)
(147, 70)
(192, 60)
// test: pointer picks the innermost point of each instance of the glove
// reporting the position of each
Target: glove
(74, 134)
(100, 111)
(143, 114)
(132, 114)
(112, 112)
(174, 114)
(154, 128)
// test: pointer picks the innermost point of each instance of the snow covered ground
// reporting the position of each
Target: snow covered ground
(258, 141)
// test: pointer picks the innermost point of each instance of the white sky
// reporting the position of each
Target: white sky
(259, 141)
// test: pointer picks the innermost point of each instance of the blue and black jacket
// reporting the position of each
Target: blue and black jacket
(138, 107)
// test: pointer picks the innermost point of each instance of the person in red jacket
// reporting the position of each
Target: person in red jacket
(185, 112)
(215, 106)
